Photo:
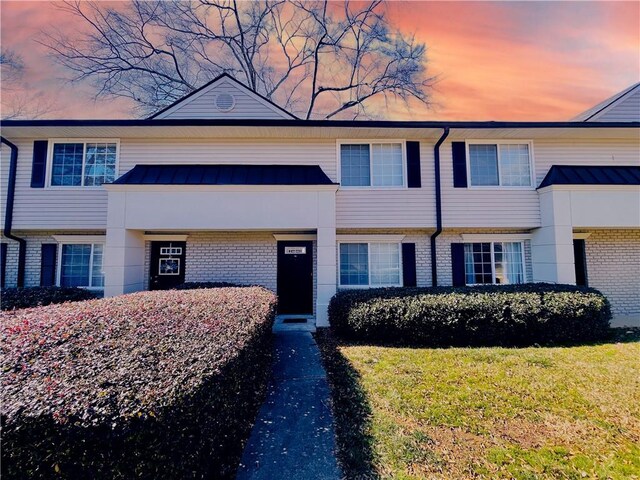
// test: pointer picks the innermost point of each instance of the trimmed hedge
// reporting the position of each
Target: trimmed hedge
(15, 298)
(162, 384)
(507, 315)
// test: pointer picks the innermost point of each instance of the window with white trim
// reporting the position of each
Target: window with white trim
(370, 264)
(494, 263)
(372, 164)
(81, 265)
(83, 164)
(500, 164)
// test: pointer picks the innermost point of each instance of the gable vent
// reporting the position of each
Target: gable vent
(225, 102)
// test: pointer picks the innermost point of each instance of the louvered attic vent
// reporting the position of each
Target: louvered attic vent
(225, 102)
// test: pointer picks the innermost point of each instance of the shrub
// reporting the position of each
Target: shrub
(161, 384)
(488, 315)
(14, 298)
(197, 285)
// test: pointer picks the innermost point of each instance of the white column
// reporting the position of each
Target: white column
(552, 243)
(326, 256)
(124, 251)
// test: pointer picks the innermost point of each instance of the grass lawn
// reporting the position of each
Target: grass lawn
(524, 413)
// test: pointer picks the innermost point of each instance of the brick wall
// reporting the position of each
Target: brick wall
(447, 237)
(419, 237)
(613, 267)
(34, 253)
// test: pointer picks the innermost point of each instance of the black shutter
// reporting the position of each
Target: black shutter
(459, 153)
(457, 264)
(3, 264)
(413, 165)
(39, 166)
(409, 277)
(48, 264)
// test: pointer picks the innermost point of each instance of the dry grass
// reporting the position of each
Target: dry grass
(527, 413)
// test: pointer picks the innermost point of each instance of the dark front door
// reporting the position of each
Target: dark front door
(295, 277)
(167, 265)
(580, 256)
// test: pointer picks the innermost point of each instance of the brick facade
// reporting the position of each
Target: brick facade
(613, 259)
(419, 237)
(449, 236)
(34, 253)
(613, 267)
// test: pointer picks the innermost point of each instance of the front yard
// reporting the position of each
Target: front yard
(525, 413)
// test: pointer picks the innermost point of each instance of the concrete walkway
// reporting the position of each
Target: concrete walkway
(293, 437)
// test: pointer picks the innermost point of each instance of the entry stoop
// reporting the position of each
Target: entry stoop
(295, 323)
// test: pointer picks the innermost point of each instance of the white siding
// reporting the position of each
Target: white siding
(626, 110)
(48, 209)
(202, 104)
(265, 152)
(85, 208)
(584, 152)
(468, 207)
(388, 208)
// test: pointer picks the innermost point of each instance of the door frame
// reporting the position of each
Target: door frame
(306, 242)
(155, 258)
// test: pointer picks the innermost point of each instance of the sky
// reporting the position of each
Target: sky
(493, 60)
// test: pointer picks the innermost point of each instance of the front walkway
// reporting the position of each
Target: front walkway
(293, 437)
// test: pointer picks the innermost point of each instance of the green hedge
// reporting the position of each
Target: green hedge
(490, 315)
(146, 385)
(15, 298)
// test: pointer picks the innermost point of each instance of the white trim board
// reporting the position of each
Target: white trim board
(80, 238)
(370, 238)
(165, 237)
(494, 237)
(294, 236)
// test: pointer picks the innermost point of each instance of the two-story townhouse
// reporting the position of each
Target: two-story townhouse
(225, 186)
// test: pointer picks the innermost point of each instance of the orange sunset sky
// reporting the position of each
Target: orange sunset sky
(494, 60)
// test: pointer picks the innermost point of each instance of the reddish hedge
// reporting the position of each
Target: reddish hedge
(147, 385)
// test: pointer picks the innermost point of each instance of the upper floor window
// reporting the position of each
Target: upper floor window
(500, 164)
(372, 164)
(83, 164)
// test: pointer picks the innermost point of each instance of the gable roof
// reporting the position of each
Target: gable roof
(591, 175)
(594, 112)
(281, 112)
(228, 174)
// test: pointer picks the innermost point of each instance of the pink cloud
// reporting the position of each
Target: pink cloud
(495, 60)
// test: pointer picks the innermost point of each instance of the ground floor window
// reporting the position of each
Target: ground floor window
(81, 265)
(370, 264)
(494, 262)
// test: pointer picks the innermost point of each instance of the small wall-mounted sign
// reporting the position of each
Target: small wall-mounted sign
(295, 250)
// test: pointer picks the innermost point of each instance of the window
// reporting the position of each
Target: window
(504, 164)
(369, 264)
(81, 265)
(86, 164)
(494, 262)
(372, 164)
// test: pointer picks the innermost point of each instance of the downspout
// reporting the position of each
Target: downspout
(8, 212)
(436, 157)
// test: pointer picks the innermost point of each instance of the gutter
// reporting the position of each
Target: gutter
(8, 214)
(436, 157)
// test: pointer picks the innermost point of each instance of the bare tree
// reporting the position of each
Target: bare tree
(318, 59)
(17, 101)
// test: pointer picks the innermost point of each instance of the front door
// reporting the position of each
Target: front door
(167, 265)
(295, 277)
